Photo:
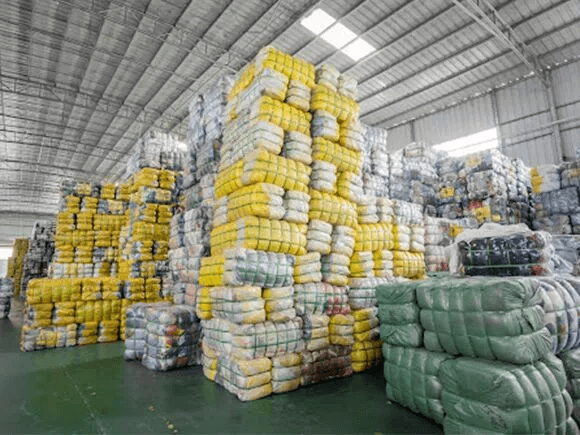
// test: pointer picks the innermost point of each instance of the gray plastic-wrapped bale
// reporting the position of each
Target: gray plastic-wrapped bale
(172, 339)
(258, 268)
(493, 397)
(399, 314)
(412, 377)
(6, 291)
(491, 318)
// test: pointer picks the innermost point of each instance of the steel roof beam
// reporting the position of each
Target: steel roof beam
(483, 12)
(451, 56)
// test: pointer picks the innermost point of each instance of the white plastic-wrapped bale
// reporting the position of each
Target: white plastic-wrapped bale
(136, 329)
(6, 292)
(172, 339)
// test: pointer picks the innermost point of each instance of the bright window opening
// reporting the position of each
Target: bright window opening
(484, 140)
(318, 21)
(5, 252)
(337, 34)
(358, 49)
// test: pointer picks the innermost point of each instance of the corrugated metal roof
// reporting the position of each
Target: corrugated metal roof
(82, 80)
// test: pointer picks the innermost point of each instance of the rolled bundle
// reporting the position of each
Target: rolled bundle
(332, 209)
(319, 237)
(324, 125)
(258, 268)
(413, 379)
(296, 206)
(316, 334)
(362, 265)
(408, 264)
(308, 268)
(298, 95)
(362, 293)
(279, 304)
(262, 234)
(249, 342)
(87, 333)
(323, 177)
(341, 329)
(297, 146)
(345, 160)
(172, 338)
(247, 379)
(350, 186)
(367, 210)
(383, 264)
(399, 314)
(335, 269)
(108, 331)
(488, 397)
(238, 304)
(329, 363)
(366, 355)
(286, 372)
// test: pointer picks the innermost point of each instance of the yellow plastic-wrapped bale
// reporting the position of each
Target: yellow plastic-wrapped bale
(64, 313)
(266, 82)
(87, 333)
(298, 95)
(261, 234)
(315, 332)
(366, 324)
(238, 304)
(351, 135)
(307, 268)
(38, 315)
(373, 237)
(108, 331)
(366, 355)
(262, 167)
(335, 269)
(212, 271)
(361, 264)
(332, 209)
(383, 263)
(279, 304)
(409, 264)
(286, 372)
(349, 186)
(345, 160)
(337, 105)
(203, 306)
(294, 68)
(145, 177)
(340, 328)
(261, 200)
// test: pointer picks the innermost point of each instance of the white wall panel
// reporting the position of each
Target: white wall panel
(399, 137)
(460, 120)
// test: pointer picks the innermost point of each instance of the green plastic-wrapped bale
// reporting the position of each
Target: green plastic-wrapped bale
(412, 377)
(571, 361)
(493, 397)
(491, 318)
(399, 314)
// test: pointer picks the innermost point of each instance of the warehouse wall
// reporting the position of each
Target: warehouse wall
(523, 118)
(15, 225)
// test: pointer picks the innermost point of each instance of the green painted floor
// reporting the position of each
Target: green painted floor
(92, 389)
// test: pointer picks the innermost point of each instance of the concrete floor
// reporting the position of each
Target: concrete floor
(91, 389)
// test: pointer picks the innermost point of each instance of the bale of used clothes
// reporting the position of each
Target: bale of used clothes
(399, 314)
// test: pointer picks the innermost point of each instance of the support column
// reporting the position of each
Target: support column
(556, 133)
(496, 121)
(413, 133)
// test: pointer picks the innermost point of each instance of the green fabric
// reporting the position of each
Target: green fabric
(494, 397)
(399, 314)
(491, 318)
(571, 362)
(412, 379)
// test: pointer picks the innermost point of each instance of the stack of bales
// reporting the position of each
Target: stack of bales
(455, 351)
(87, 231)
(192, 223)
(252, 337)
(521, 207)
(16, 262)
(375, 162)
(145, 239)
(39, 255)
(6, 292)
(451, 189)
(409, 240)
(556, 196)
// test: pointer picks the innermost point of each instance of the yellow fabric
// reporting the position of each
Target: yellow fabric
(332, 209)
(374, 237)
